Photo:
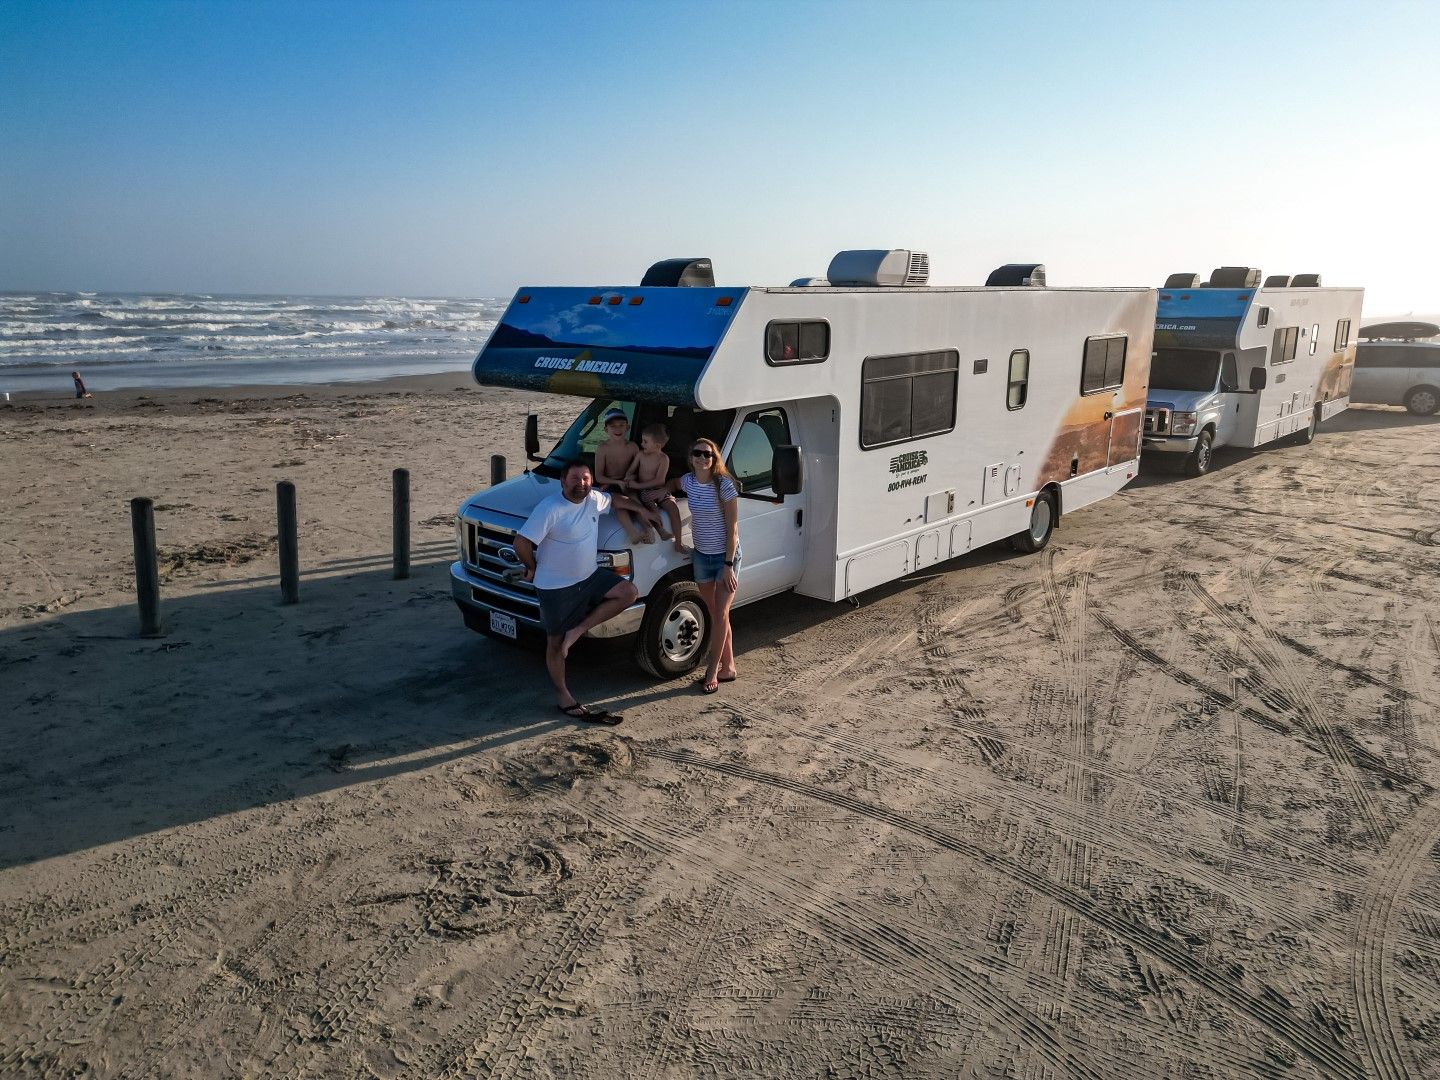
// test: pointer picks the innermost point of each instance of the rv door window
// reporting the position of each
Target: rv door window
(1342, 334)
(1287, 341)
(1104, 365)
(1229, 376)
(907, 397)
(1019, 379)
(753, 454)
(797, 342)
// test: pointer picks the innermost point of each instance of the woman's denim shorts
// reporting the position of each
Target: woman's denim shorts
(708, 567)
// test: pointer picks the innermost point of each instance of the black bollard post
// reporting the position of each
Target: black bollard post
(497, 469)
(289, 542)
(400, 526)
(147, 574)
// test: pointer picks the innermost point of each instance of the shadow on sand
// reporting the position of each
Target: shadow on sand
(245, 702)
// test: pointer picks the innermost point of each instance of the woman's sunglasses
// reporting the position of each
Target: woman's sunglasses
(702, 453)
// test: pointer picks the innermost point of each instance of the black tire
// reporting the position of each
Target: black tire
(675, 631)
(1199, 460)
(1042, 525)
(1306, 437)
(1423, 400)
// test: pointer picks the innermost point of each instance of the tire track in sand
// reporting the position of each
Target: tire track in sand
(1374, 935)
(1316, 1044)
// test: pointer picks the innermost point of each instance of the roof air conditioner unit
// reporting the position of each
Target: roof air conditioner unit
(691, 273)
(1305, 281)
(809, 283)
(872, 268)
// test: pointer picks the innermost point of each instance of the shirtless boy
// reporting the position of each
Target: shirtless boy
(613, 459)
(648, 477)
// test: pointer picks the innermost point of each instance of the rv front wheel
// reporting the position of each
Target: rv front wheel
(674, 632)
(1423, 400)
(1042, 525)
(1198, 463)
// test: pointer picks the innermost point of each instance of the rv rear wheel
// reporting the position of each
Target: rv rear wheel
(675, 631)
(1042, 525)
(1306, 437)
(1199, 459)
(1423, 400)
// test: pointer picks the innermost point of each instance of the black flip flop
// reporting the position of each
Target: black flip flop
(589, 715)
(706, 688)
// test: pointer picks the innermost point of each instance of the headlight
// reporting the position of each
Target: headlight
(619, 561)
(1182, 423)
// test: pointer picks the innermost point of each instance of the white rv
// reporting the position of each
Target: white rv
(874, 425)
(1238, 363)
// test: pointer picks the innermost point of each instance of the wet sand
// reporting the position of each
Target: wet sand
(1158, 801)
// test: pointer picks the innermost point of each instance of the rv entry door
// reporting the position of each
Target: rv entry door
(770, 531)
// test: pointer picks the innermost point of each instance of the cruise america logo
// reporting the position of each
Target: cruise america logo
(583, 362)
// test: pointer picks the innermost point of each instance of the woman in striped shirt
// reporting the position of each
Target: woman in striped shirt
(715, 533)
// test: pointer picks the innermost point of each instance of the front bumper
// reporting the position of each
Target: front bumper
(1170, 444)
(477, 593)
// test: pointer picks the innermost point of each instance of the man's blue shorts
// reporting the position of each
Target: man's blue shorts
(565, 608)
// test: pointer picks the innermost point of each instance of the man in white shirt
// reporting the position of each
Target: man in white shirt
(557, 546)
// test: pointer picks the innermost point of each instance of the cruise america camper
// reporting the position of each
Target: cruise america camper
(874, 425)
(1238, 363)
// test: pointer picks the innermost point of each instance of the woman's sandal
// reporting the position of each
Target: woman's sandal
(708, 687)
(589, 715)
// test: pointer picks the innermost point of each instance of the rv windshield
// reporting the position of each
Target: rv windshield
(585, 434)
(1184, 369)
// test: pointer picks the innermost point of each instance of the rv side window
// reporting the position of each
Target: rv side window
(1104, 365)
(1314, 337)
(752, 456)
(1342, 334)
(1262, 316)
(1287, 340)
(797, 342)
(1019, 379)
(907, 397)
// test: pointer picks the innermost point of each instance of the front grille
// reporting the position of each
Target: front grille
(1157, 421)
(484, 541)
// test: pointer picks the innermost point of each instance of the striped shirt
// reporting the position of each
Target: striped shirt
(707, 522)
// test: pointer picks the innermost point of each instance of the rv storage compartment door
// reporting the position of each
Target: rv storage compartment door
(927, 549)
(877, 567)
(959, 539)
(1012, 480)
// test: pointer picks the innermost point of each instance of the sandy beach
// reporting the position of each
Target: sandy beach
(1160, 800)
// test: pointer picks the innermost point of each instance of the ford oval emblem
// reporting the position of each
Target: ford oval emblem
(507, 555)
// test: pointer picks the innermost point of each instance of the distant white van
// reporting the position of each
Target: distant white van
(1398, 363)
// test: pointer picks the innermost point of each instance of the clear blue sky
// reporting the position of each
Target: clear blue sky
(466, 148)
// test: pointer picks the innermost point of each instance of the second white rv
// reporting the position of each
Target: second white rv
(1238, 363)
(875, 426)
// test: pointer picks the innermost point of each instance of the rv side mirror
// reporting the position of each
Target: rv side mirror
(787, 473)
(532, 438)
(1258, 377)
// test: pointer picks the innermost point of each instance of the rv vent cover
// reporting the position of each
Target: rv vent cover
(1018, 274)
(692, 273)
(1235, 277)
(1305, 281)
(1182, 281)
(877, 267)
(809, 283)
(1277, 281)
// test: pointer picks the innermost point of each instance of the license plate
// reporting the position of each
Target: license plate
(502, 623)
